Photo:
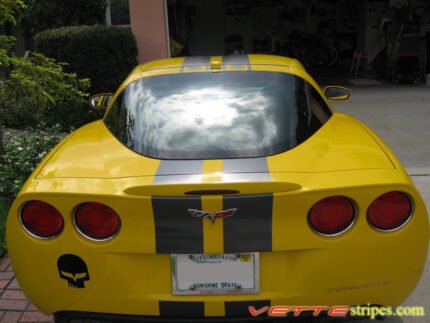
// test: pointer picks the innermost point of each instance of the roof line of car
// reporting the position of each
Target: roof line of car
(222, 70)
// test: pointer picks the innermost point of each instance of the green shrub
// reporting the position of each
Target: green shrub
(19, 117)
(45, 14)
(68, 116)
(8, 10)
(38, 81)
(104, 54)
(37, 89)
(4, 209)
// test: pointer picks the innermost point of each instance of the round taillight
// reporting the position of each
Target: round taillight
(332, 215)
(97, 221)
(41, 219)
(390, 211)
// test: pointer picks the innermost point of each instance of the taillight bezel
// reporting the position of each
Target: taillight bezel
(34, 235)
(411, 212)
(330, 235)
(85, 235)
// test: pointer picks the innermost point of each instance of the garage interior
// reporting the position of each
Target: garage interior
(382, 38)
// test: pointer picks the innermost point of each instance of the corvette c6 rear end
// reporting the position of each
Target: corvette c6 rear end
(160, 222)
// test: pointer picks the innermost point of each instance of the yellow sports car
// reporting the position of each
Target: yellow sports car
(217, 187)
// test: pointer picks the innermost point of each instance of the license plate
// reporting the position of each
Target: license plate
(216, 274)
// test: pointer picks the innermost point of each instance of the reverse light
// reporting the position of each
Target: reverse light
(41, 219)
(390, 211)
(96, 221)
(332, 215)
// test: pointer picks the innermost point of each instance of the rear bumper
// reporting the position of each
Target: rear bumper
(74, 317)
(70, 317)
(141, 284)
(126, 275)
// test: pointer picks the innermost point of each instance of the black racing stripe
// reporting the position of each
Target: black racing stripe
(250, 228)
(182, 309)
(186, 171)
(195, 61)
(236, 60)
(235, 309)
(176, 230)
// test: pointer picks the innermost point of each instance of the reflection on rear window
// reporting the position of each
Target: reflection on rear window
(215, 115)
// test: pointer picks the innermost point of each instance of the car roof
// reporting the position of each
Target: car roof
(194, 61)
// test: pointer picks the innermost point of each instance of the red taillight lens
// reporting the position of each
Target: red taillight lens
(332, 215)
(390, 211)
(97, 221)
(41, 219)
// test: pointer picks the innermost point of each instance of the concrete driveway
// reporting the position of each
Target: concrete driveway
(401, 116)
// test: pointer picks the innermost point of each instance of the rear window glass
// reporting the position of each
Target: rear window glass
(216, 115)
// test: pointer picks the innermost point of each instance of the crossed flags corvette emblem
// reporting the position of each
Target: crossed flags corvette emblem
(206, 215)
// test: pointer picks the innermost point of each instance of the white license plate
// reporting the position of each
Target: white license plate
(216, 274)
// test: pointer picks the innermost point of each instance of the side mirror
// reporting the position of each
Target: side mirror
(337, 93)
(100, 101)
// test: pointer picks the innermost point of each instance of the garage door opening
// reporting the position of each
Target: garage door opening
(353, 37)
(318, 33)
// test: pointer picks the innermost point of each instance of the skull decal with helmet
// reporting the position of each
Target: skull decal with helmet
(73, 269)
